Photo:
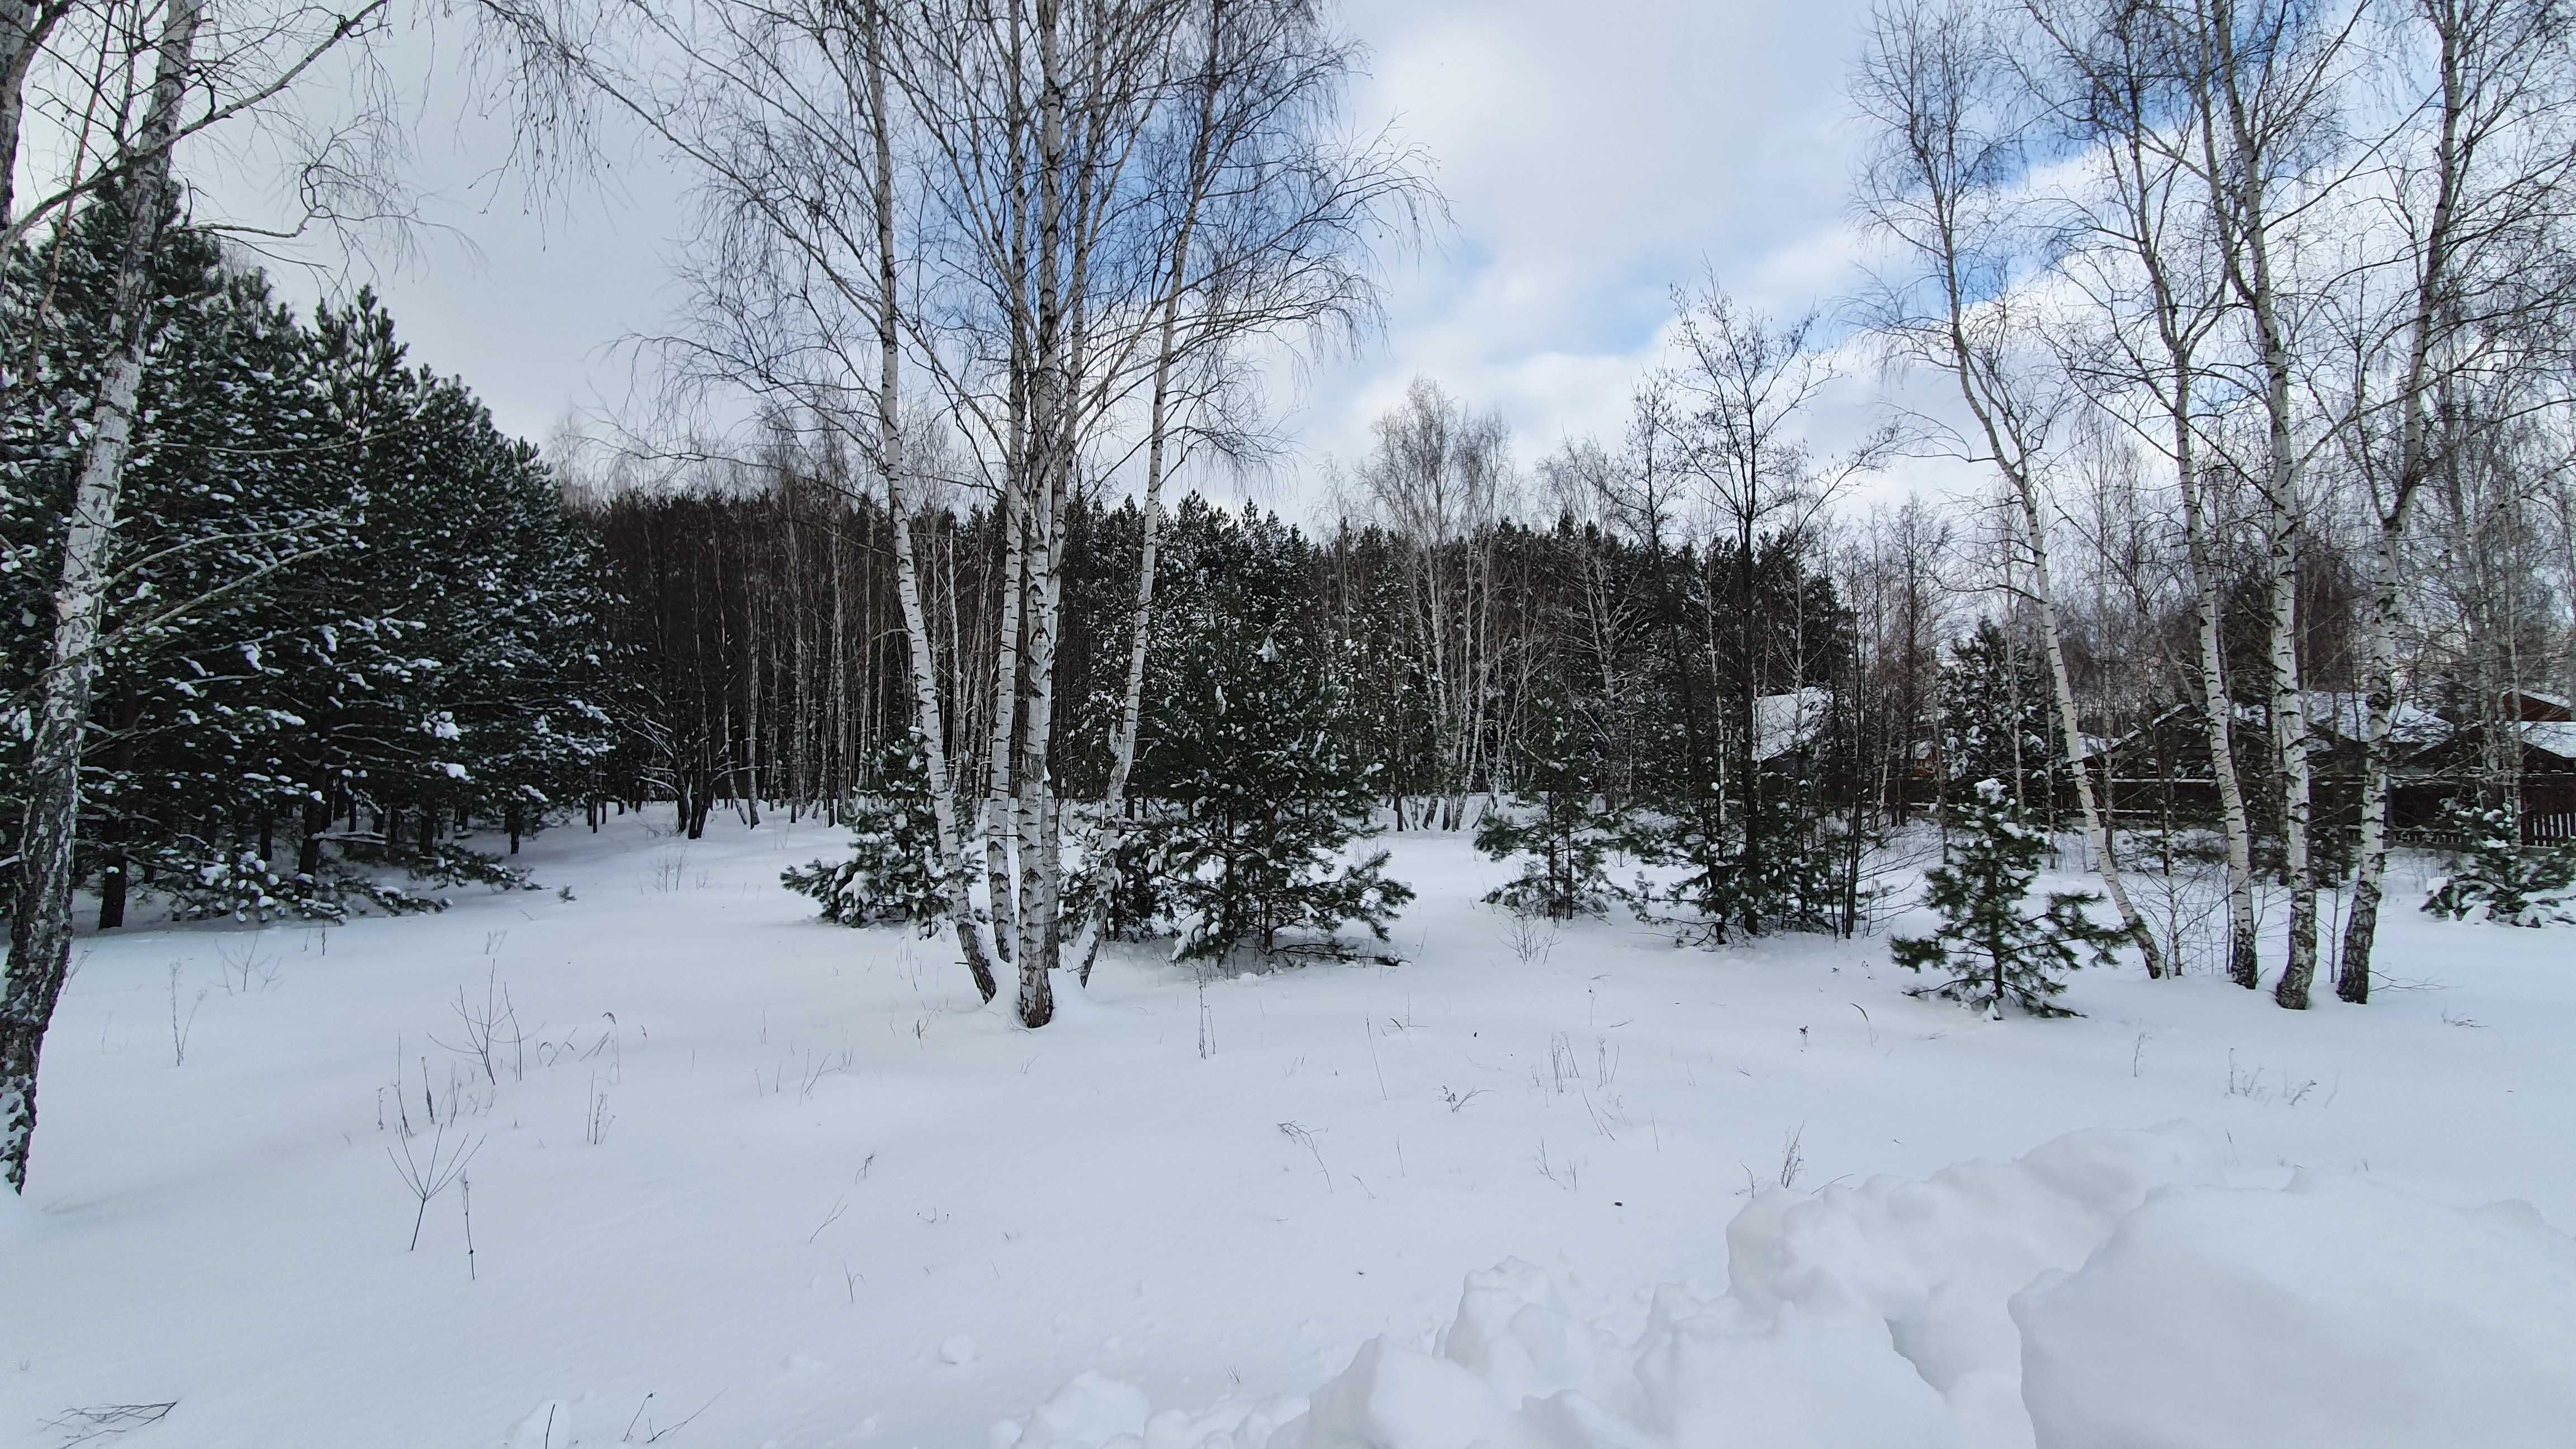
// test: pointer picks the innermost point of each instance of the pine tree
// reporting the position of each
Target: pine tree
(341, 591)
(1254, 780)
(2517, 885)
(1995, 720)
(892, 872)
(1988, 949)
(1556, 817)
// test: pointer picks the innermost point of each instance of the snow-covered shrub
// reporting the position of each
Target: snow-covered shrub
(238, 884)
(1787, 878)
(1988, 950)
(204, 884)
(1141, 903)
(891, 874)
(448, 864)
(2516, 885)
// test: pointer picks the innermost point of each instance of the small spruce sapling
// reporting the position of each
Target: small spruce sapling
(891, 873)
(1988, 950)
(2517, 885)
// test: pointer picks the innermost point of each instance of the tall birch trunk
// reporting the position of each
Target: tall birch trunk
(2433, 283)
(40, 920)
(2013, 460)
(971, 939)
(2218, 723)
(996, 824)
(1122, 761)
(2244, 965)
(2237, 181)
(1048, 460)
(2097, 832)
(2281, 538)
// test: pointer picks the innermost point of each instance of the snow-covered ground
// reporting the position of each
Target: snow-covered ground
(752, 1179)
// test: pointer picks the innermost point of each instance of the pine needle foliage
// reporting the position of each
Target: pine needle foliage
(1252, 777)
(1554, 820)
(891, 874)
(2514, 884)
(1989, 950)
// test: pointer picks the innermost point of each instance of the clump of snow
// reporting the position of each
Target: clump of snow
(2105, 1289)
(2336, 1311)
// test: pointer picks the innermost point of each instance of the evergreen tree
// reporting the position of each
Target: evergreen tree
(341, 592)
(1780, 875)
(1988, 950)
(1256, 783)
(2517, 885)
(1555, 817)
(1995, 721)
(892, 872)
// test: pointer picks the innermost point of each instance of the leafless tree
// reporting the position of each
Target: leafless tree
(1066, 220)
(2465, 287)
(193, 86)
(1745, 387)
(2141, 251)
(1440, 477)
(1941, 186)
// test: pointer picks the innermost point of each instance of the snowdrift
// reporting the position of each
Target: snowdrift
(2105, 1291)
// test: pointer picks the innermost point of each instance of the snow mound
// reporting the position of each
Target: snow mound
(2103, 1290)
(2333, 1312)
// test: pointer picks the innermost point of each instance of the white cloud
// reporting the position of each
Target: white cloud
(1594, 155)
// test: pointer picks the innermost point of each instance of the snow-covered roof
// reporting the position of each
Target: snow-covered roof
(2345, 714)
(1783, 722)
(2558, 737)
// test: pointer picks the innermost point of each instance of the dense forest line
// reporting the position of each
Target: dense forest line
(364, 630)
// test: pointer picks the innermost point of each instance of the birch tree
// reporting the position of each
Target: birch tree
(40, 928)
(2141, 253)
(2264, 81)
(2471, 207)
(1269, 229)
(1941, 187)
(1440, 477)
(1012, 250)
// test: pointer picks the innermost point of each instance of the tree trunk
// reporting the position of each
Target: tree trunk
(2370, 863)
(916, 624)
(40, 927)
(2071, 738)
(2244, 966)
(1113, 805)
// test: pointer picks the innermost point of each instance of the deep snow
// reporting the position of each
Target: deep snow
(831, 1204)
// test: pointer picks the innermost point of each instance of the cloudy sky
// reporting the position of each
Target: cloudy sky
(1594, 153)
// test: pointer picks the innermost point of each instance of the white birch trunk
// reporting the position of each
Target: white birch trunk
(2243, 965)
(972, 940)
(1112, 833)
(40, 924)
(996, 819)
(2097, 834)
(1049, 459)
